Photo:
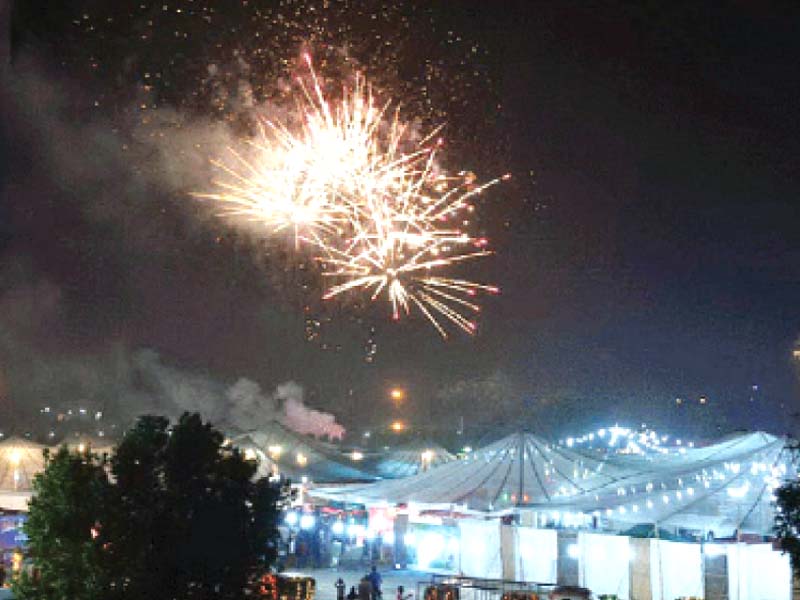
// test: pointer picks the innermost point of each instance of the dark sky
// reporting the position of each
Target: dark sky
(648, 249)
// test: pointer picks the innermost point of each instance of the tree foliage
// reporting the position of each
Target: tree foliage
(181, 518)
(69, 498)
(787, 519)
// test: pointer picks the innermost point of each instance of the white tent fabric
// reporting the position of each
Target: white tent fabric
(519, 470)
(408, 460)
(537, 555)
(717, 489)
(15, 500)
(479, 549)
(296, 456)
(604, 563)
(757, 572)
(20, 461)
(676, 570)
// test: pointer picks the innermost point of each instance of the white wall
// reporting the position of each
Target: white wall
(604, 563)
(480, 548)
(676, 570)
(757, 572)
(537, 555)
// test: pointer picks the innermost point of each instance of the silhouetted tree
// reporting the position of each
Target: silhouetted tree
(787, 518)
(69, 498)
(181, 519)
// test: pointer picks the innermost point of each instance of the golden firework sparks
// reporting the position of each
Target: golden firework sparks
(372, 201)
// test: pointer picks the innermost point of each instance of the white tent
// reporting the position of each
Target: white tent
(296, 456)
(716, 489)
(519, 470)
(407, 460)
(20, 461)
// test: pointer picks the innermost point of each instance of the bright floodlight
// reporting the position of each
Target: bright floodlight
(307, 522)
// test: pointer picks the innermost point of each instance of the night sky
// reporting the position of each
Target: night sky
(648, 247)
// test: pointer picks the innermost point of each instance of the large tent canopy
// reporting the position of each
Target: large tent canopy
(297, 456)
(407, 460)
(518, 470)
(717, 489)
(20, 461)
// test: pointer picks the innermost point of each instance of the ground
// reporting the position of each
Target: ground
(326, 581)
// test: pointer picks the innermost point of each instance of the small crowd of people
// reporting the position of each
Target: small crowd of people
(369, 588)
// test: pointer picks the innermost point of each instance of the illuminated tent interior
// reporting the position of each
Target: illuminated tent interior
(20, 460)
(296, 456)
(518, 470)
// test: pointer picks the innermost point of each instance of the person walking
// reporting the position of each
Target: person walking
(376, 580)
(340, 588)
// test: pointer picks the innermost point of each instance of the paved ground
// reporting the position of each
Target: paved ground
(326, 580)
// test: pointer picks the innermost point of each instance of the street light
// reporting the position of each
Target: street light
(398, 426)
(397, 394)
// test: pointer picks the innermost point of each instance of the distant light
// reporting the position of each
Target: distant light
(573, 551)
(301, 458)
(275, 451)
(15, 456)
(367, 434)
(427, 456)
(307, 521)
(291, 518)
(397, 394)
(398, 426)
(249, 454)
(356, 455)
(338, 528)
(467, 449)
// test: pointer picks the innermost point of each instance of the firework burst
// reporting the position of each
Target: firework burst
(368, 197)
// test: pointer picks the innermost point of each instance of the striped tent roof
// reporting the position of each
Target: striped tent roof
(20, 461)
(297, 456)
(518, 470)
